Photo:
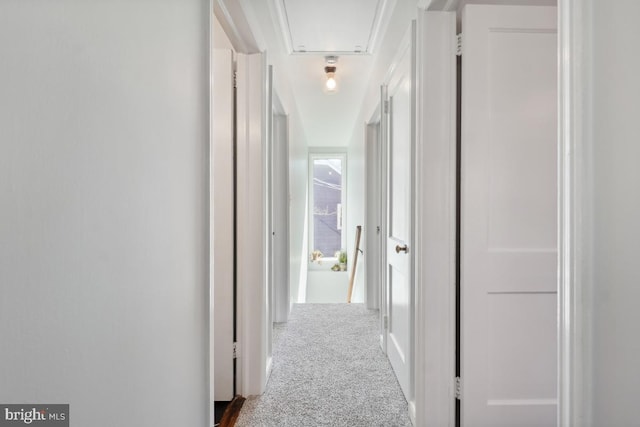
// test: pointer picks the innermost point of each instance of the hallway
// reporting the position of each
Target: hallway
(328, 369)
(109, 166)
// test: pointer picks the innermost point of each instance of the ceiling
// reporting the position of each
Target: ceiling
(298, 34)
(330, 26)
(327, 27)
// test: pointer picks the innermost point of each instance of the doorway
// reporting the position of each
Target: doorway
(327, 276)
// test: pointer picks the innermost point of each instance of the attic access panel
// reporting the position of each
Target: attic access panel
(332, 26)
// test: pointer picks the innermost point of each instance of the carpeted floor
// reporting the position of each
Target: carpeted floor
(328, 370)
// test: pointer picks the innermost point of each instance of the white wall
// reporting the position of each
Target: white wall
(326, 286)
(298, 211)
(103, 220)
(616, 175)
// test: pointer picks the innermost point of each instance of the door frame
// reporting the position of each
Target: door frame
(373, 208)
(382, 291)
(435, 229)
(280, 168)
(575, 229)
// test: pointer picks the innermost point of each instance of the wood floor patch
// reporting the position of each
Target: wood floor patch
(232, 412)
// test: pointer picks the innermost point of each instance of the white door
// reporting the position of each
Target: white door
(222, 211)
(253, 270)
(508, 214)
(399, 219)
(280, 218)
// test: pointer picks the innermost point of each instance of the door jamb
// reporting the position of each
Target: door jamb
(575, 201)
(280, 135)
(435, 229)
(372, 203)
(383, 165)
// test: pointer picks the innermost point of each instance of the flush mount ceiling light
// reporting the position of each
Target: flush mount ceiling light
(330, 71)
(331, 80)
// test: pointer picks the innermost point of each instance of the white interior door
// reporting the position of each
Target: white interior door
(280, 218)
(253, 271)
(223, 212)
(399, 221)
(508, 214)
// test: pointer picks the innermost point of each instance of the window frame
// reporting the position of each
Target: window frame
(319, 154)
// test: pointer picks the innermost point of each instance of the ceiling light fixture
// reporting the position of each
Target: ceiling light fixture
(330, 71)
(331, 80)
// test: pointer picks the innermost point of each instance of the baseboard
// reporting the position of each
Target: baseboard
(268, 373)
(412, 412)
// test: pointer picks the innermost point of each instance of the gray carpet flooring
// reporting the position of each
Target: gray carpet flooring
(328, 370)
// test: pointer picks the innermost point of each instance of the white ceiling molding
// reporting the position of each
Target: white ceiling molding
(359, 27)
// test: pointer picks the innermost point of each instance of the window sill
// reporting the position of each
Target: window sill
(325, 265)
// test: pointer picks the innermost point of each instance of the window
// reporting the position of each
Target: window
(327, 202)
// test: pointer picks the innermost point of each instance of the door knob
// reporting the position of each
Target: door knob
(404, 249)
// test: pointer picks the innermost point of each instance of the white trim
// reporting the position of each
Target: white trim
(412, 412)
(435, 232)
(210, 322)
(252, 270)
(373, 205)
(384, 135)
(267, 209)
(280, 213)
(575, 222)
(415, 84)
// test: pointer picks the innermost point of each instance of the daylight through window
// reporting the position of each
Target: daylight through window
(327, 205)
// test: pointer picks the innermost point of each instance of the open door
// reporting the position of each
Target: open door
(399, 295)
(508, 216)
(280, 217)
(223, 224)
(253, 243)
